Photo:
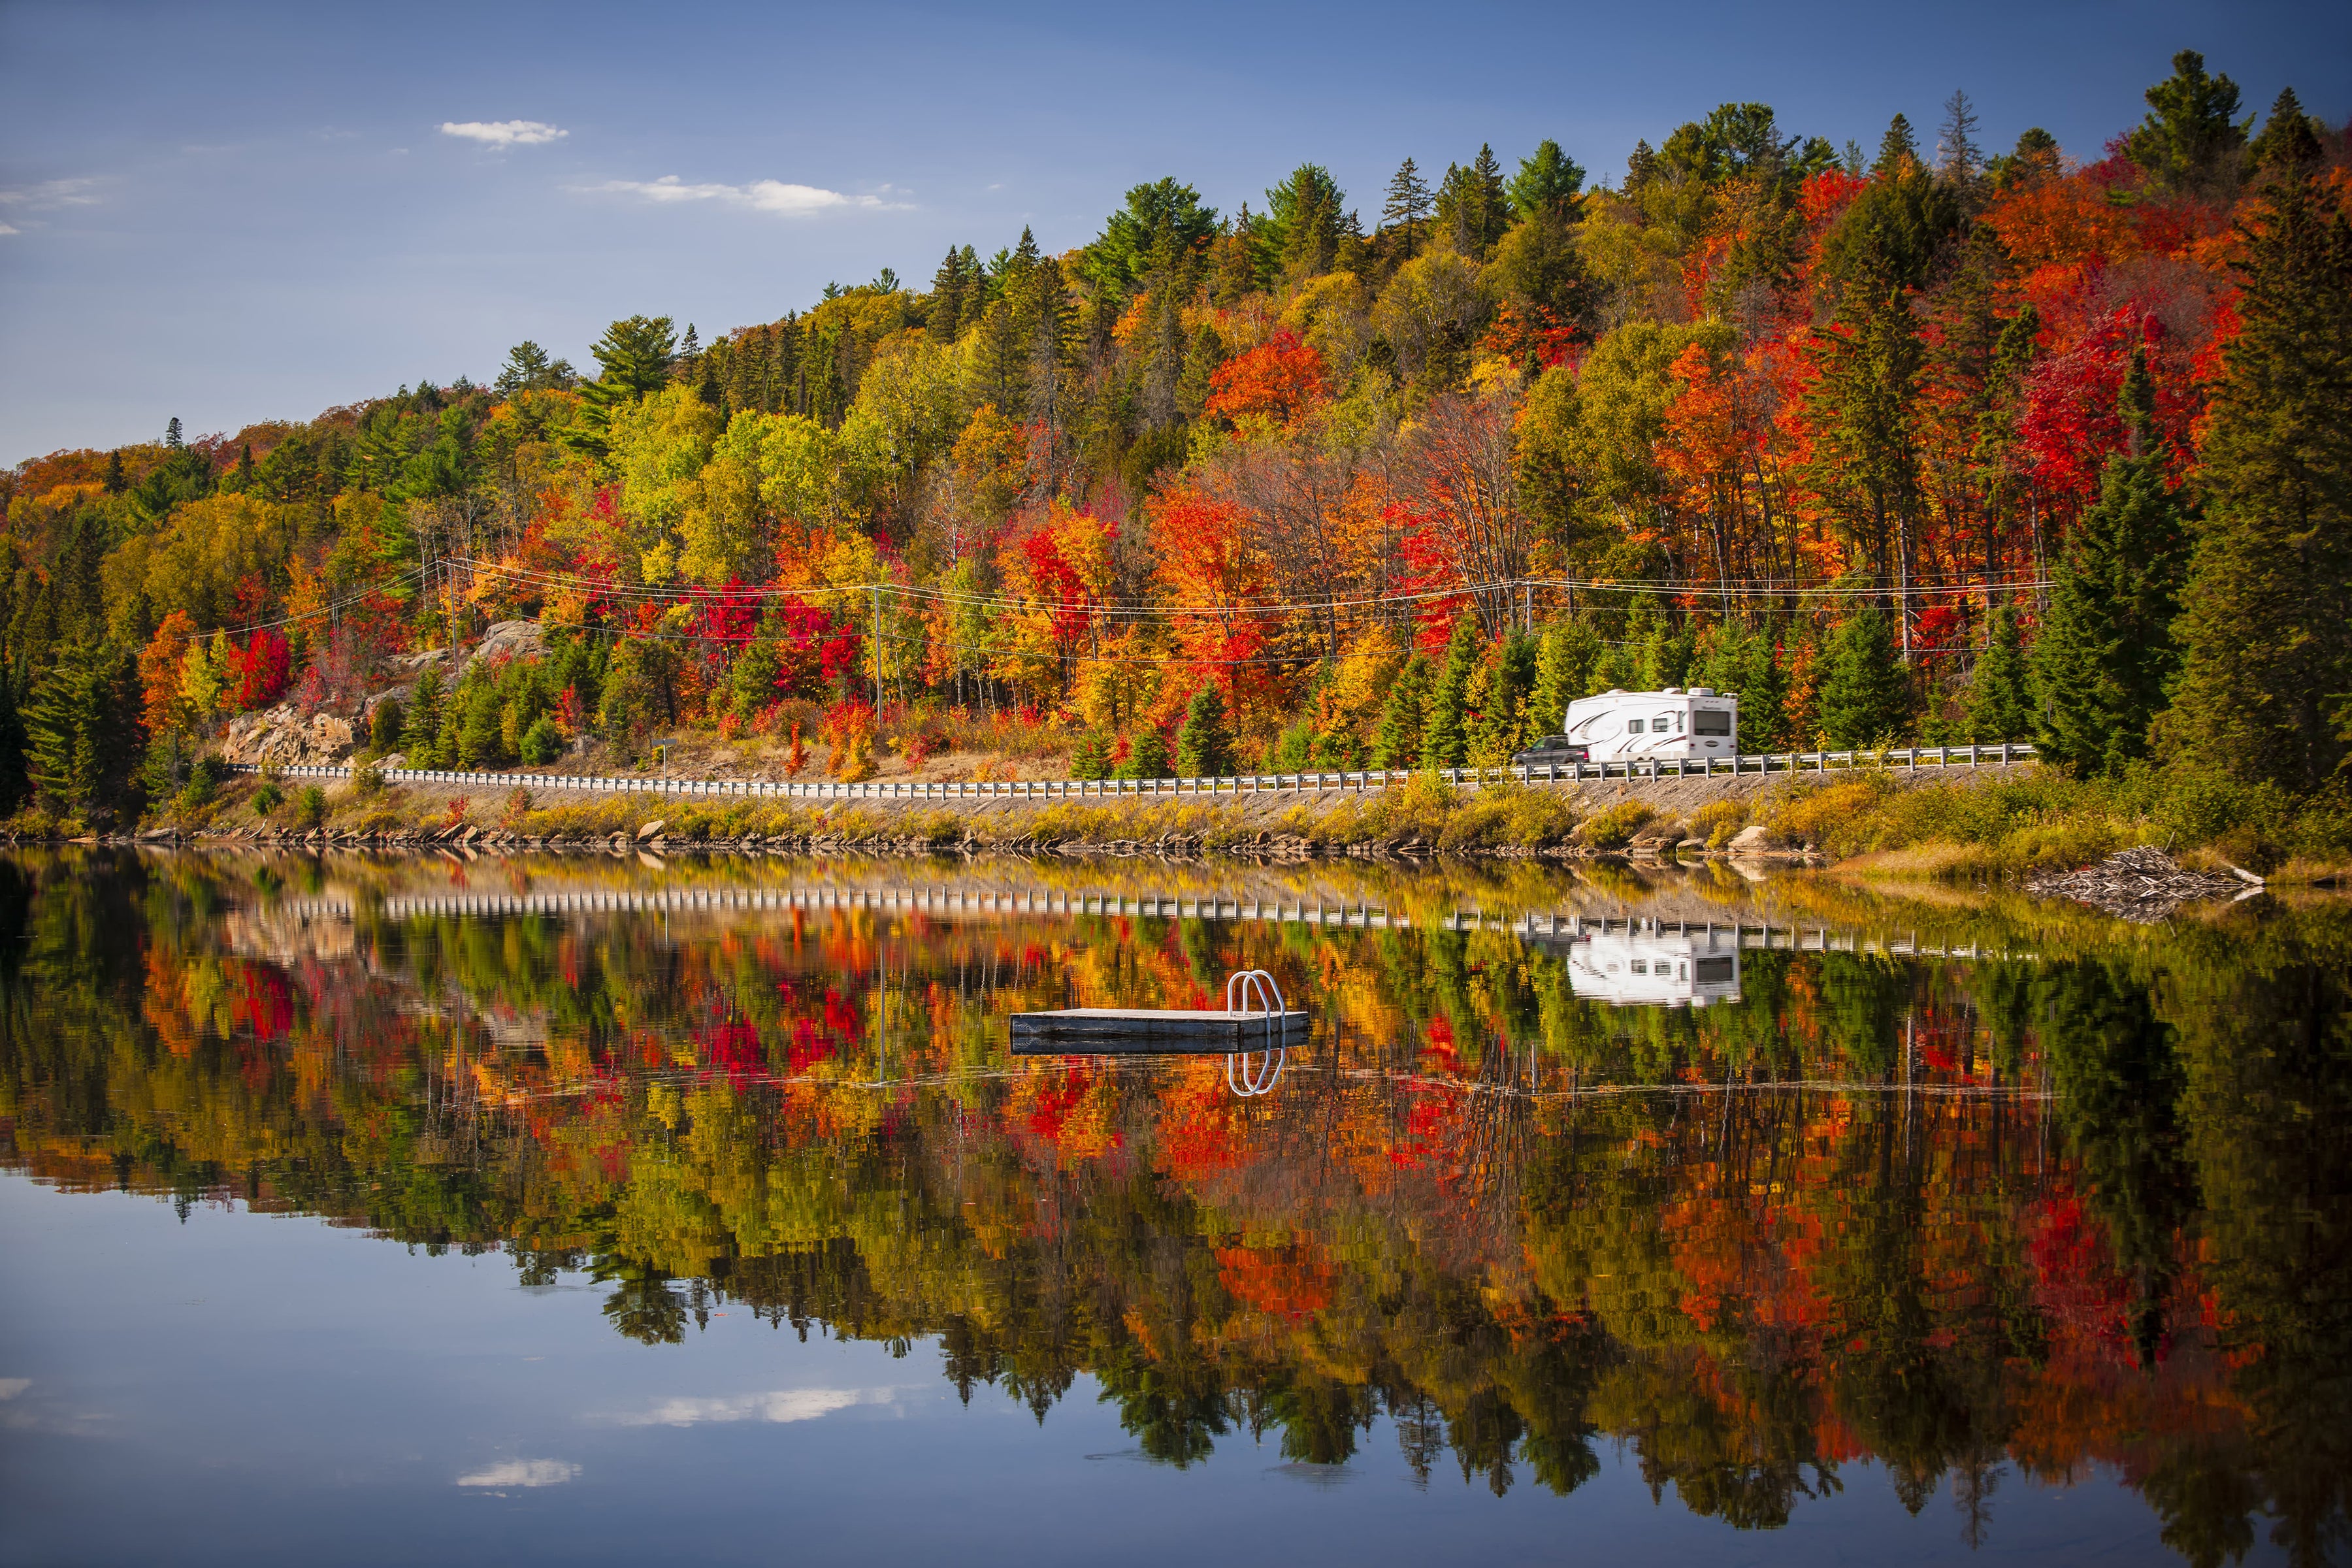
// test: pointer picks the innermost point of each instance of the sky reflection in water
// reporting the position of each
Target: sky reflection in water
(727, 1219)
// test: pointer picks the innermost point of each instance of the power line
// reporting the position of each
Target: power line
(356, 597)
(690, 595)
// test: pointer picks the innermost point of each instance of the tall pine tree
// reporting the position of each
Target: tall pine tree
(1503, 717)
(2265, 690)
(78, 742)
(1204, 746)
(1566, 670)
(2000, 694)
(1445, 739)
(1396, 741)
(1865, 697)
(2105, 650)
(1763, 691)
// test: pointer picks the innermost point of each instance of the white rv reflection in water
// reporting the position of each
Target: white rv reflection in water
(1655, 969)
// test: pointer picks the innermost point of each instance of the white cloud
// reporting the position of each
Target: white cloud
(504, 132)
(781, 1405)
(12, 1386)
(10, 228)
(48, 194)
(523, 1473)
(761, 195)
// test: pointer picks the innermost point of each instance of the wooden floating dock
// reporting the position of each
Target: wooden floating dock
(1152, 1031)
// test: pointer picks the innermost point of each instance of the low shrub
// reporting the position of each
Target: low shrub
(1612, 827)
(542, 742)
(310, 807)
(1717, 821)
(1812, 815)
(1508, 817)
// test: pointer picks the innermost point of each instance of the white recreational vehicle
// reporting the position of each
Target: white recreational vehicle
(1655, 969)
(1618, 725)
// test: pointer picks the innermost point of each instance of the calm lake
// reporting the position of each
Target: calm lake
(367, 1210)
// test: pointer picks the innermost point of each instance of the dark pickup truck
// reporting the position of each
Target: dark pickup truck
(1552, 749)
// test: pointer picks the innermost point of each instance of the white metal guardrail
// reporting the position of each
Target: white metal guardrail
(1242, 783)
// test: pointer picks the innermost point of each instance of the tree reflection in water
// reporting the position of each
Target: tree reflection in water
(2085, 1207)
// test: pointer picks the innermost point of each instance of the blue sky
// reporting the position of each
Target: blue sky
(236, 212)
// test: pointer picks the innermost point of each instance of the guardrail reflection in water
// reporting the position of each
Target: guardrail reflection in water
(1626, 961)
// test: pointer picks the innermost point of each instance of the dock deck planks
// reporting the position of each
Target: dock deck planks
(1152, 1031)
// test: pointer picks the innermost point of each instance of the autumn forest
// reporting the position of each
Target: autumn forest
(1924, 441)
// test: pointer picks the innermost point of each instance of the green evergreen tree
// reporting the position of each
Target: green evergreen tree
(1091, 759)
(1642, 626)
(752, 684)
(2265, 690)
(1564, 672)
(2286, 131)
(2192, 133)
(1404, 211)
(1204, 746)
(1763, 689)
(1504, 716)
(1396, 739)
(79, 749)
(1472, 209)
(1665, 655)
(529, 369)
(1865, 697)
(637, 356)
(1444, 738)
(476, 712)
(2001, 692)
(542, 742)
(1715, 658)
(1147, 756)
(946, 318)
(13, 782)
(1548, 181)
(1896, 148)
(2105, 652)
(385, 722)
(1737, 659)
(420, 733)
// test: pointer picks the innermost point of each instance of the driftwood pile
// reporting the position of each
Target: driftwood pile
(2143, 885)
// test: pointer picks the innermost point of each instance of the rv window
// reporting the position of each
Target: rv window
(1711, 722)
(1659, 723)
(1713, 971)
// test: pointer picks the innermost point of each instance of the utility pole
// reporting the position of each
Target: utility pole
(1903, 577)
(877, 654)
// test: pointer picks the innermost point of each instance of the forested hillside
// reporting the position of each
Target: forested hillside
(1908, 441)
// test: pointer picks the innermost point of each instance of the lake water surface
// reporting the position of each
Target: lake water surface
(588, 1210)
